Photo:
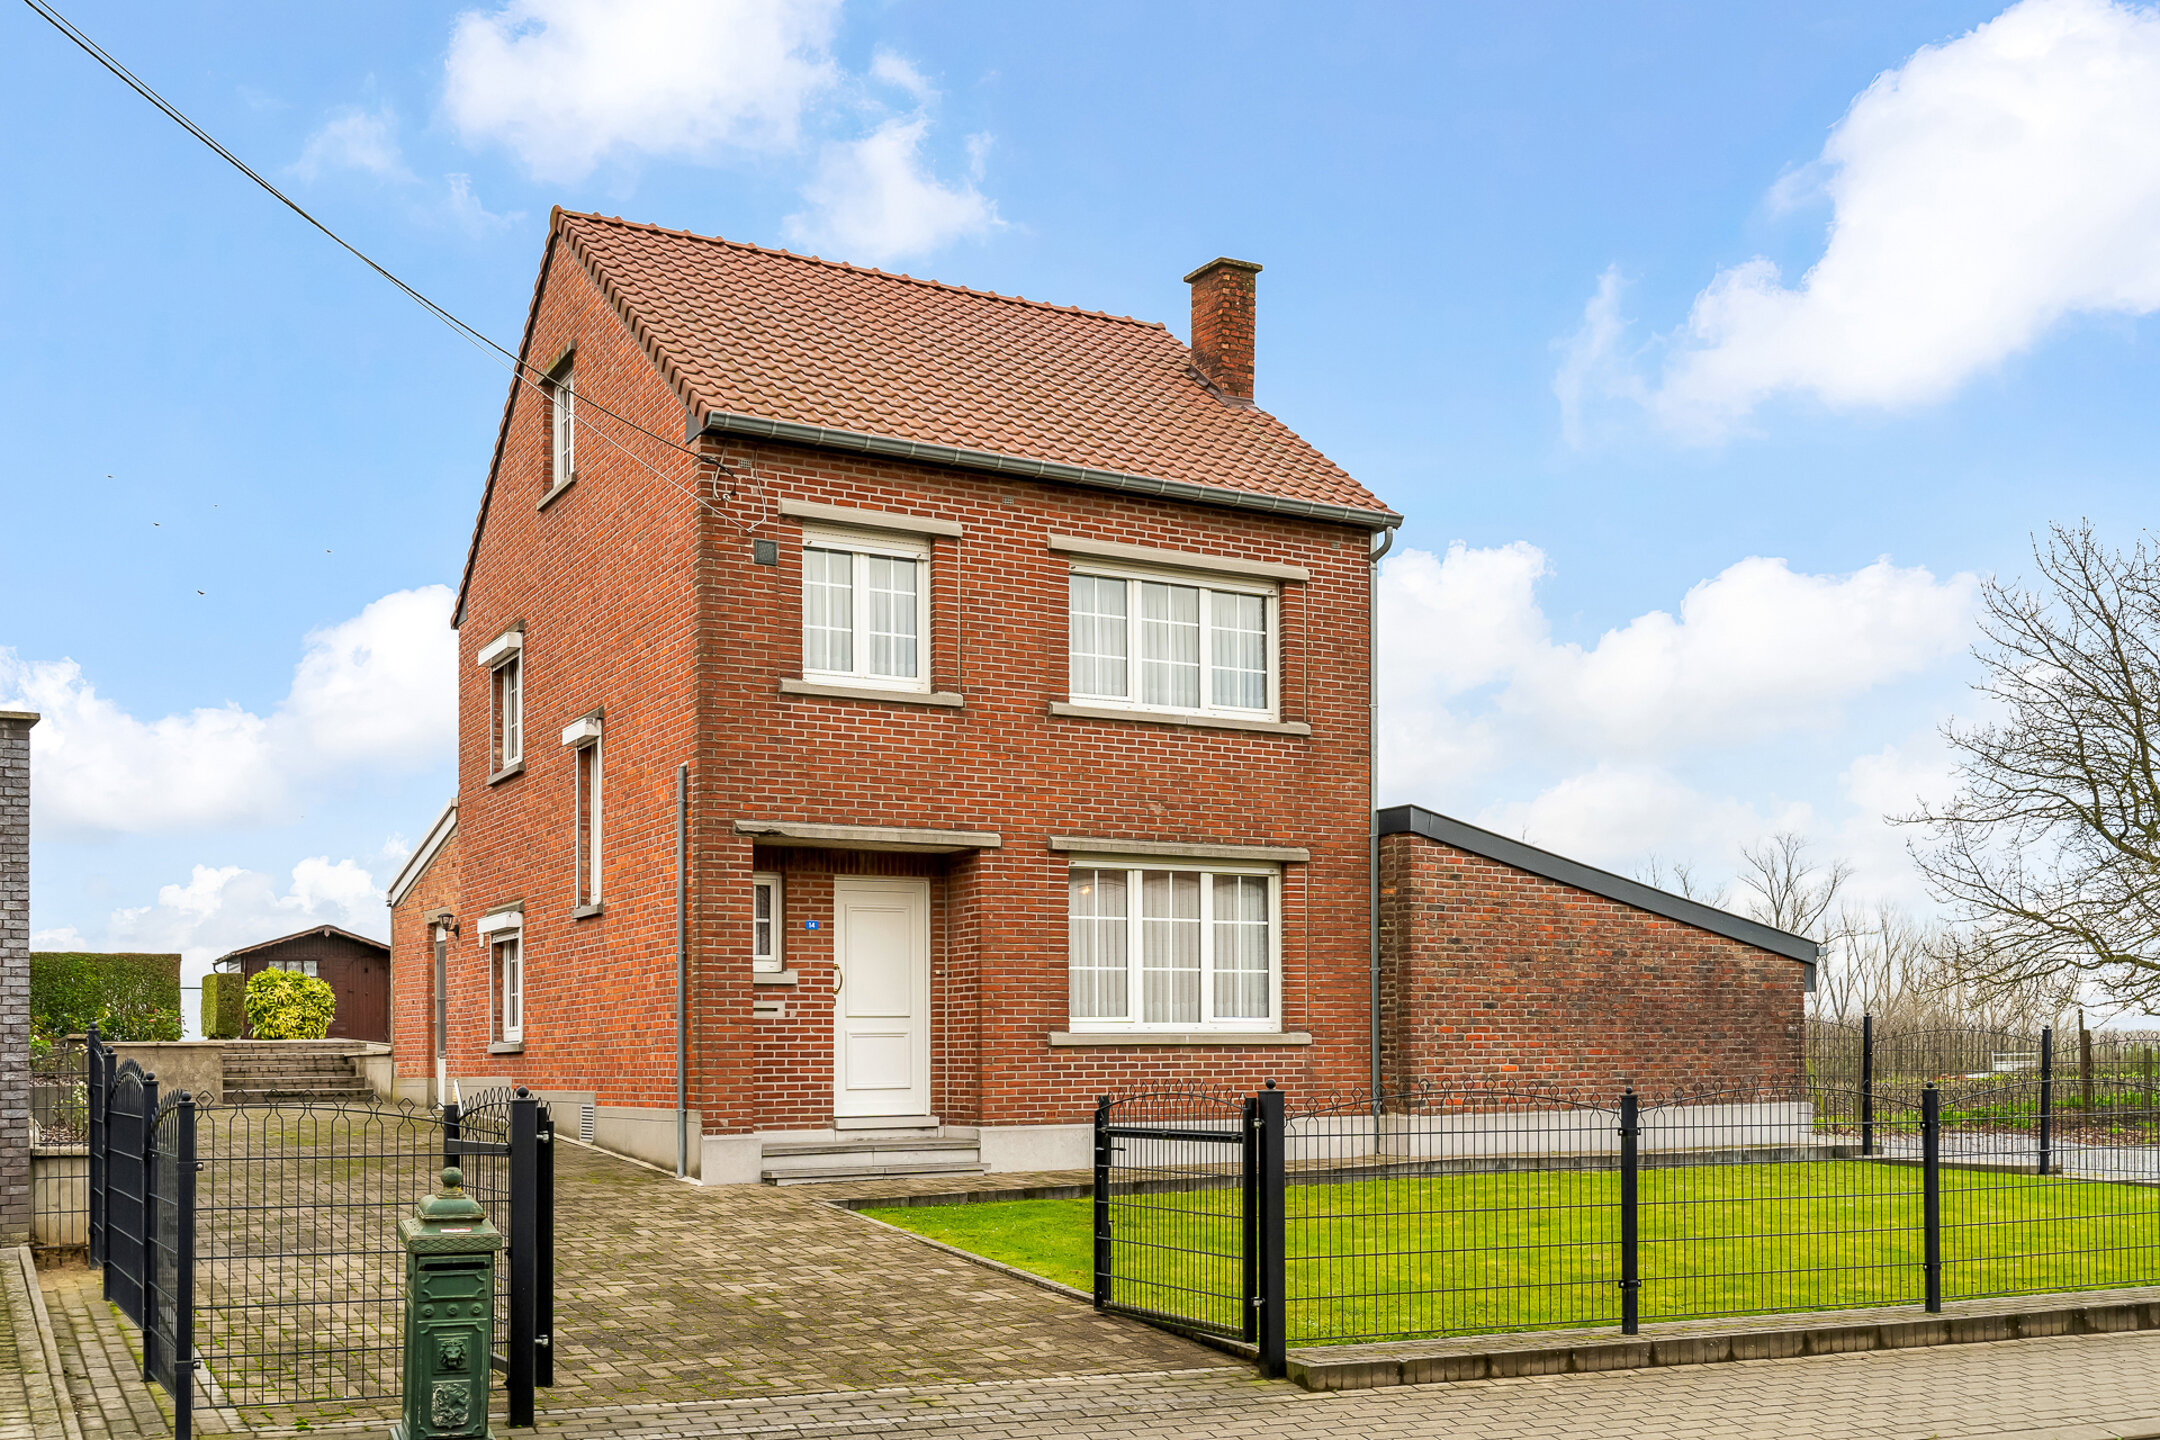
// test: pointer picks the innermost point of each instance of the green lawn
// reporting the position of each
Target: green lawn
(1538, 1249)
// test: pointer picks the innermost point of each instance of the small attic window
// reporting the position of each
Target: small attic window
(562, 425)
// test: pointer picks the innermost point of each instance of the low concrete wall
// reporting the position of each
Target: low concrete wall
(196, 1066)
(377, 1066)
(59, 1195)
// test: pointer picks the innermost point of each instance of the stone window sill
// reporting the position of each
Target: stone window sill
(549, 498)
(586, 912)
(864, 692)
(1202, 722)
(1063, 1038)
(507, 1047)
(516, 767)
(772, 977)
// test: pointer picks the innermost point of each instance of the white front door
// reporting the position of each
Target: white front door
(881, 1017)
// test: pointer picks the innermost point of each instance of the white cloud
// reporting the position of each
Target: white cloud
(378, 691)
(874, 199)
(1605, 750)
(1756, 649)
(1980, 194)
(222, 908)
(567, 83)
(354, 139)
(1614, 816)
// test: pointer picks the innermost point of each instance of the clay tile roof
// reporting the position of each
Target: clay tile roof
(766, 333)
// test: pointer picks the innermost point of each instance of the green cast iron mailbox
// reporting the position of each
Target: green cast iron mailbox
(449, 1315)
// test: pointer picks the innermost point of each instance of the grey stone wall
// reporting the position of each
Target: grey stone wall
(15, 976)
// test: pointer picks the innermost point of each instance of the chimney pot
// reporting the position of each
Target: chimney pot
(1223, 296)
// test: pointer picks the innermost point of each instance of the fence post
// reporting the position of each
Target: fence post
(450, 1160)
(1103, 1291)
(94, 1063)
(1273, 1335)
(183, 1328)
(524, 1193)
(1630, 1276)
(1931, 1194)
(144, 1289)
(1249, 1216)
(2047, 1095)
(1867, 1084)
(544, 1255)
(2085, 1075)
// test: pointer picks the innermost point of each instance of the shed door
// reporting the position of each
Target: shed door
(881, 1017)
(363, 1000)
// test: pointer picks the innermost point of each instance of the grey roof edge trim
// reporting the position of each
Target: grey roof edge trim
(382, 945)
(1417, 820)
(861, 442)
(423, 855)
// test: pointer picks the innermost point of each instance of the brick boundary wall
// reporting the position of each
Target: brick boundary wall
(1491, 973)
(15, 976)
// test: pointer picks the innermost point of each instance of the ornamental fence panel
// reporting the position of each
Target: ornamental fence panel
(256, 1246)
(1465, 1209)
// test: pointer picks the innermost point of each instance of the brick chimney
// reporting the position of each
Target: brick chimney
(1222, 324)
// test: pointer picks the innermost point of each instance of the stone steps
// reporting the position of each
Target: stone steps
(871, 1154)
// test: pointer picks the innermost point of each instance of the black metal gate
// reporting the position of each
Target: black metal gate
(1188, 1214)
(284, 1281)
(168, 1332)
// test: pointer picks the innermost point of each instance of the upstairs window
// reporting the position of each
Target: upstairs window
(507, 689)
(866, 611)
(1148, 643)
(562, 425)
(1172, 949)
(585, 810)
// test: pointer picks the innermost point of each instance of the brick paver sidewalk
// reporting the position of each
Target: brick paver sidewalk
(747, 1312)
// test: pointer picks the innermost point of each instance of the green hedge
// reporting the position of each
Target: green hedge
(127, 996)
(286, 1005)
(223, 1001)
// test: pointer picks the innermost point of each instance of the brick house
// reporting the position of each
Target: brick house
(1012, 664)
(967, 716)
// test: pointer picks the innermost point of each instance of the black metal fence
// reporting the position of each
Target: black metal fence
(259, 1245)
(142, 1209)
(59, 1145)
(1467, 1209)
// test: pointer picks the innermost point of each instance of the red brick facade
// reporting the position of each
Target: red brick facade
(641, 603)
(1490, 972)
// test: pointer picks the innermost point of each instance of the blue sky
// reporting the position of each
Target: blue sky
(1712, 352)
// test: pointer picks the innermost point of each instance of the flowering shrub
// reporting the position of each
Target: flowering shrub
(286, 1005)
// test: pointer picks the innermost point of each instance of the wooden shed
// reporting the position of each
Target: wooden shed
(357, 968)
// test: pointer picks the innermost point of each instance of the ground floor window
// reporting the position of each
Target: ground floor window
(1161, 948)
(509, 987)
(765, 924)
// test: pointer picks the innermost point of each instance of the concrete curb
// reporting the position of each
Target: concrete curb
(1689, 1343)
(49, 1347)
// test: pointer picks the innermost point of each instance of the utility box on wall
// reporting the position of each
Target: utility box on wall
(449, 1315)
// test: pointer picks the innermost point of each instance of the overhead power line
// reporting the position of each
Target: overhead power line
(521, 371)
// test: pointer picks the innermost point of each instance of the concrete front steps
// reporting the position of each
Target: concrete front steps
(884, 1148)
(267, 1072)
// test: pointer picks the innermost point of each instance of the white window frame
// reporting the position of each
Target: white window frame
(774, 961)
(587, 852)
(1134, 867)
(1270, 595)
(506, 718)
(562, 424)
(500, 989)
(862, 546)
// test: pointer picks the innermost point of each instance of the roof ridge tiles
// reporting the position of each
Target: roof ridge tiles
(871, 270)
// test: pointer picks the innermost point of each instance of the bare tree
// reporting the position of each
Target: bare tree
(1788, 890)
(2050, 851)
(1680, 878)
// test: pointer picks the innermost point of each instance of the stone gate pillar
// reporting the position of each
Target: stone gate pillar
(15, 976)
